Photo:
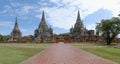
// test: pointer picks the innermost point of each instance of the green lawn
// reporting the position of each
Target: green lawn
(112, 54)
(14, 55)
(92, 44)
(107, 52)
(24, 44)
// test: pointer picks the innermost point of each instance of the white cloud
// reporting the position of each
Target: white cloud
(6, 24)
(24, 30)
(61, 18)
(58, 2)
(6, 8)
(27, 8)
(64, 14)
(14, 4)
(24, 10)
(20, 9)
(91, 26)
(42, 3)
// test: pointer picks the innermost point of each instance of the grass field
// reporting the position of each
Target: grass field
(92, 44)
(24, 44)
(107, 52)
(12, 53)
(112, 54)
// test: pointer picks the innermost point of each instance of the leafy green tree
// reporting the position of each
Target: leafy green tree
(64, 34)
(109, 29)
(55, 35)
(1, 38)
(4, 37)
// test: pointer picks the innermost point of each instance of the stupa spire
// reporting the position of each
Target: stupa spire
(16, 24)
(43, 21)
(16, 34)
(43, 16)
(78, 16)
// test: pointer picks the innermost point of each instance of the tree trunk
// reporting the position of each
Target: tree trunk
(108, 38)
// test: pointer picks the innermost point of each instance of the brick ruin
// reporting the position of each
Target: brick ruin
(78, 33)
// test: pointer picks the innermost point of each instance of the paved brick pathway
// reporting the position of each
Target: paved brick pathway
(65, 54)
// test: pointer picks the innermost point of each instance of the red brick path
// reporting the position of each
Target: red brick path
(65, 54)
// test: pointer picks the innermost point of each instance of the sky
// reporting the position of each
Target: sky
(61, 15)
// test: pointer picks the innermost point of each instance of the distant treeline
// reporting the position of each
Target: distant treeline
(4, 37)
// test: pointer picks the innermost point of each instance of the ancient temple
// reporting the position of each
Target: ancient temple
(43, 33)
(16, 34)
(78, 30)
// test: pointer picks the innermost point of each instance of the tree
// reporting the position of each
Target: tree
(1, 38)
(109, 29)
(64, 34)
(4, 37)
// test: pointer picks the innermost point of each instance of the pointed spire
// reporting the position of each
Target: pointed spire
(16, 33)
(16, 24)
(78, 17)
(43, 21)
(43, 16)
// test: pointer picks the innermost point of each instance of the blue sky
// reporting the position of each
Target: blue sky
(60, 14)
